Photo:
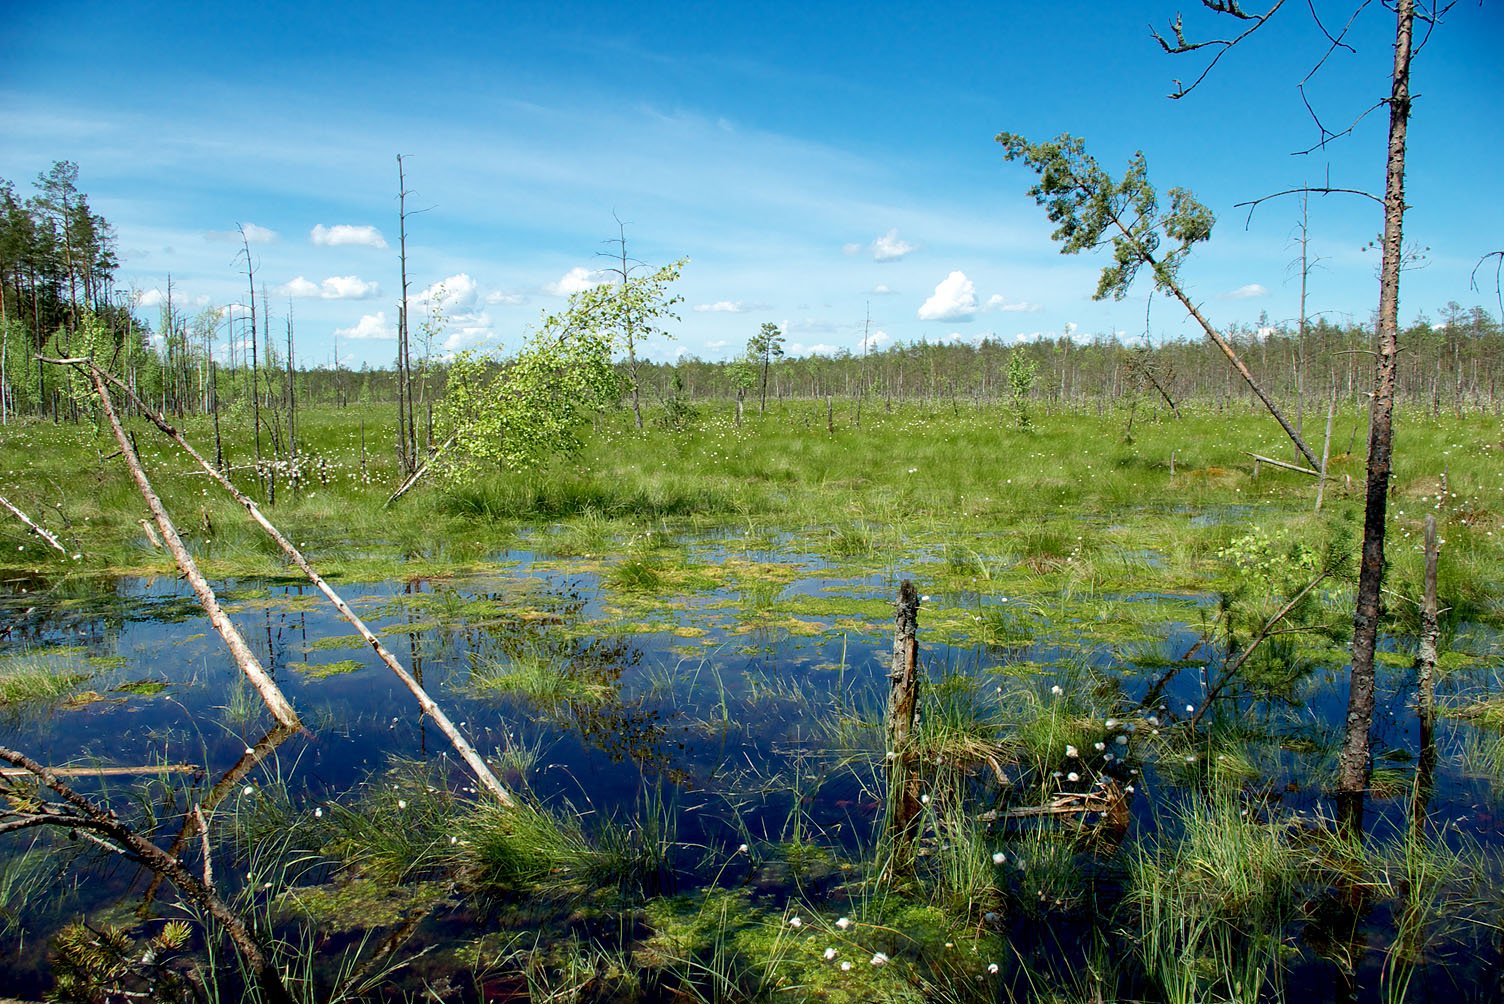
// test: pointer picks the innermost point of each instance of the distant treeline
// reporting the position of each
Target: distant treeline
(57, 297)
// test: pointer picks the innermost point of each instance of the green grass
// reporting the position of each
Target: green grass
(40, 678)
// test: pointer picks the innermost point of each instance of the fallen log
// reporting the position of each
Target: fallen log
(476, 763)
(34, 528)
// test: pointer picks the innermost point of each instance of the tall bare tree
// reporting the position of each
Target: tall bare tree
(407, 436)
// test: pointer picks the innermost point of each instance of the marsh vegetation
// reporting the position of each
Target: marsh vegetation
(673, 650)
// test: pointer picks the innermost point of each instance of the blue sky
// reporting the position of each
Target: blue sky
(813, 161)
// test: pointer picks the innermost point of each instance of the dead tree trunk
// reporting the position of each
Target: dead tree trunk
(83, 814)
(462, 746)
(270, 693)
(1355, 765)
(904, 803)
(34, 528)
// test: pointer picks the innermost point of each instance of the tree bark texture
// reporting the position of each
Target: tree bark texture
(265, 686)
(1355, 765)
(904, 804)
(477, 764)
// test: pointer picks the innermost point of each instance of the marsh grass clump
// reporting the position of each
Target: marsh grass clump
(519, 849)
(40, 677)
(539, 676)
(1215, 894)
(400, 828)
(637, 574)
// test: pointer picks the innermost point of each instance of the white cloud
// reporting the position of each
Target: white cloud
(718, 343)
(999, 302)
(954, 299)
(890, 247)
(1247, 292)
(722, 307)
(882, 289)
(797, 349)
(850, 249)
(1072, 330)
(498, 298)
(469, 337)
(343, 234)
(576, 280)
(1263, 333)
(874, 340)
(455, 295)
(299, 287)
(370, 327)
(254, 234)
(151, 298)
(336, 287)
(348, 287)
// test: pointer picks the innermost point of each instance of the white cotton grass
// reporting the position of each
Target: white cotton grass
(830, 953)
(843, 923)
(796, 921)
(879, 958)
(998, 857)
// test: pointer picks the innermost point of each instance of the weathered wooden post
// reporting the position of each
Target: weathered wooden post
(1430, 631)
(902, 767)
(1425, 667)
(1326, 450)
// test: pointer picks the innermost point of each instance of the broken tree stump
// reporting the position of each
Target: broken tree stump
(904, 804)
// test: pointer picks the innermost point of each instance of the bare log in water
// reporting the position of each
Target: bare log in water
(83, 815)
(477, 764)
(265, 686)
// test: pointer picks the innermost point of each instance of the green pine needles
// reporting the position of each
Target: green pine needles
(1091, 211)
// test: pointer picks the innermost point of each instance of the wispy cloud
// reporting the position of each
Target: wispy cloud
(346, 235)
(336, 287)
(891, 247)
(999, 302)
(728, 307)
(254, 234)
(1247, 292)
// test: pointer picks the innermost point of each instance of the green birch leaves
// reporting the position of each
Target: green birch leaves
(518, 413)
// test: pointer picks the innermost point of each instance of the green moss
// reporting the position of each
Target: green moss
(337, 643)
(358, 904)
(143, 688)
(324, 670)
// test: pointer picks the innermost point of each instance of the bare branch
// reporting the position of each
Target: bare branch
(1254, 203)
(1183, 45)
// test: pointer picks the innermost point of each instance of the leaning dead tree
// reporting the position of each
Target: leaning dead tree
(265, 686)
(1094, 211)
(1355, 763)
(467, 752)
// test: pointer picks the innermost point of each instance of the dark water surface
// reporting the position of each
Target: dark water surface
(699, 697)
